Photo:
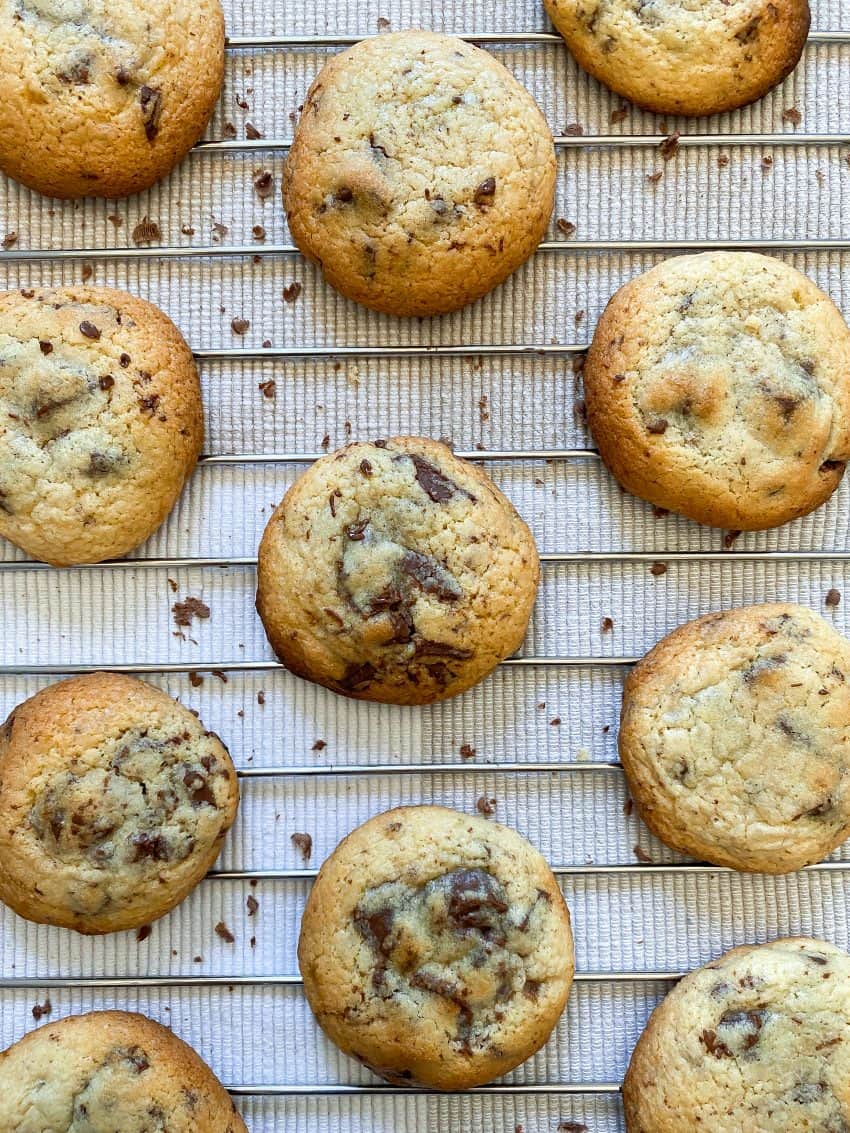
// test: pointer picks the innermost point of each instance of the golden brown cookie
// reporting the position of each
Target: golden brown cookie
(758, 1039)
(101, 421)
(395, 571)
(735, 738)
(436, 948)
(718, 386)
(100, 99)
(110, 1072)
(685, 58)
(114, 803)
(421, 173)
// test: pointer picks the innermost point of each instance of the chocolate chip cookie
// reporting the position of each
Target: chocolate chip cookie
(394, 571)
(436, 948)
(735, 738)
(758, 1039)
(101, 421)
(718, 386)
(114, 803)
(100, 99)
(110, 1072)
(685, 58)
(421, 173)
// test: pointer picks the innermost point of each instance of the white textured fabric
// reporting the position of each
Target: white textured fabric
(660, 922)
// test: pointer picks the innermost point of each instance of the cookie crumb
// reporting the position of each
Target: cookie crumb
(146, 232)
(654, 178)
(264, 185)
(467, 751)
(303, 843)
(565, 226)
(658, 569)
(833, 597)
(641, 855)
(620, 114)
(574, 130)
(9, 240)
(607, 625)
(224, 932)
(792, 115)
(251, 132)
(269, 388)
(258, 232)
(722, 160)
(767, 163)
(383, 23)
(292, 291)
(252, 904)
(486, 806)
(195, 680)
(669, 147)
(240, 325)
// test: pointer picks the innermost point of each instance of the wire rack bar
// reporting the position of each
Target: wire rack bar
(341, 769)
(472, 455)
(274, 666)
(244, 42)
(219, 251)
(49, 983)
(501, 1089)
(648, 869)
(505, 350)
(578, 141)
(547, 558)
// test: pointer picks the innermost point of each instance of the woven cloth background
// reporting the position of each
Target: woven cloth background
(663, 922)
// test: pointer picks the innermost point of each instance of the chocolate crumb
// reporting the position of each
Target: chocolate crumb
(467, 751)
(628, 807)
(620, 114)
(565, 226)
(641, 855)
(188, 609)
(251, 132)
(729, 538)
(792, 115)
(574, 130)
(670, 146)
(261, 698)
(46, 348)
(258, 232)
(150, 100)
(767, 163)
(195, 680)
(187, 230)
(654, 178)
(41, 1009)
(9, 240)
(240, 326)
(723, 160)
(115, 220)
(143, 932)
(224, 932)
(658, 569)
(252, 905)
(87, 272)
(833, 597)
(291, 292)
(555, 722)
(269, 388)
(303, 843)
(572, 1127)
(319, 745)
(486, 806)
(607, 625)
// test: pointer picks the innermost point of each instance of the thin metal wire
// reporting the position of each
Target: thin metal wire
(48, 983)
(580, 141)
(505, 350)
(247, 42)
(273, 666)
(501, 1089)
(648, 869)
(219, 251)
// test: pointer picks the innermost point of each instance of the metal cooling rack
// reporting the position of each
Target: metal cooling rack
(25, 256)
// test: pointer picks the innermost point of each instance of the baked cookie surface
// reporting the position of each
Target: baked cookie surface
(718, 386)
(103, 99)
(101, 421)
(114, 803)
(735, 738)
(106, 1072)
(394, 571)
(436, 948)
(421, 173)
(758, 1039)
(689, 57)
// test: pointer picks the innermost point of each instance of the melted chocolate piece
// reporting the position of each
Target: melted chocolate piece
(432, 481)
(358, 676)
(200, 793)
(430, 576)
(150, 100)
(150, 846)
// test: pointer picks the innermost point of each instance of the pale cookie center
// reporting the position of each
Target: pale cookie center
(138, 807)
(456, 940)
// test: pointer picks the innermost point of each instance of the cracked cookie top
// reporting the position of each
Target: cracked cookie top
(436, 948)
(718, 386)
(394, 571)
(109, 1071)
(735, 738)
(421, 173)
(685, 56)
(100, 99)
(100, 421)
(758, 1039)
(114, 803)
